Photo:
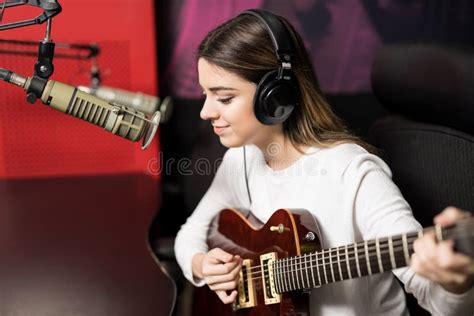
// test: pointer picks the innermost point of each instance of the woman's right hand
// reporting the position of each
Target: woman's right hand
(220, 270)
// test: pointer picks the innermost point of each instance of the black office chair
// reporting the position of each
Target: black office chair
(428, 139)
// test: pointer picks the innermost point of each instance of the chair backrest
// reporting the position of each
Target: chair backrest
(429, 145)
(433, 165)
(428, 139)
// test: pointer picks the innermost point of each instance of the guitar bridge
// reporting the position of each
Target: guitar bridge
(247, 296)
(269, 291)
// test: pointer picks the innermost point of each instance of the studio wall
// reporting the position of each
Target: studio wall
(36, 141)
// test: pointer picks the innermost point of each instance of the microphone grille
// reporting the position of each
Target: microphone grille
(89, 111)
(129, 124)
(132, 126)
(137, 100)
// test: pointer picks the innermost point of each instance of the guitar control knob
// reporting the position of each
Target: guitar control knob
(280, 228)
(310, 236)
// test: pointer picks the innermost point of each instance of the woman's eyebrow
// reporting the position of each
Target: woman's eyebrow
(221, 88)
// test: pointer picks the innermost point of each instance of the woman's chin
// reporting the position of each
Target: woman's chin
(230, 142)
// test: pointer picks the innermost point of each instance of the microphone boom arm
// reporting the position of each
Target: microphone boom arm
(50, 8)
(44, 67)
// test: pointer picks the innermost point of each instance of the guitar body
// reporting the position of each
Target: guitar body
(284, 258)
(249, 238)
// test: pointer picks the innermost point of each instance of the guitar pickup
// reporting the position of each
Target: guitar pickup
(247, 296)
(268, 276)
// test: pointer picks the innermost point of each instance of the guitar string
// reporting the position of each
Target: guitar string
(383, 250)
(383, 261)
(260, 278)
(351, 252)
(361, 246)
(360, 252)
(397, 247)
(353, 275)
(325, 263)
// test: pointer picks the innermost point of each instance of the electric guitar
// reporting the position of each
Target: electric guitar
(284, 258)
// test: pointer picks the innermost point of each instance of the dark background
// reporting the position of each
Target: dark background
(343, 37)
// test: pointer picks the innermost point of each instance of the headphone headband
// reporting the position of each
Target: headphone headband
(278, 33)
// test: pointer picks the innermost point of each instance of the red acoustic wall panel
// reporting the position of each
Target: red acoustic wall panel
(38, 141)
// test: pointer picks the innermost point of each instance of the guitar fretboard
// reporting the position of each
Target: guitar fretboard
(346, 262)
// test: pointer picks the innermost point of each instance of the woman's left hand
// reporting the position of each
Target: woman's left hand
(438, 261)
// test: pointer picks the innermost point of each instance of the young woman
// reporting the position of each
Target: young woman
(288, 150)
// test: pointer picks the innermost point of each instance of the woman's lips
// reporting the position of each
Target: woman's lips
(220, 129)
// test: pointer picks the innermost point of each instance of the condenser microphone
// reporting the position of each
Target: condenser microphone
(142, 102)
(115, 118)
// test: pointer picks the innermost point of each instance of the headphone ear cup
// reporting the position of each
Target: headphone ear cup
(275, 99)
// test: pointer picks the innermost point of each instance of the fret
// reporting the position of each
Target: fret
(285, 281)
(330, 265)
(379, 259)
(282, 276)
(362, 259)
(280, 272)
(374, 267)
(342, 263)
(281, 266)
(399, 251)
(311, 268)
(301, 272)
(275, 276)
(296, 274)
(317, 267)
(357, 259)
(347, 262)
(334, 264)
(306, 269)
(277, 270)
(405, 249)
(324, 268)
(291, 280)
(392, 255)
(411, 237)
(339, 264)
(291, 273)
(385, 254)
(367, 258)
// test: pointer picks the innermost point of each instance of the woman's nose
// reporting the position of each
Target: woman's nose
(209, 111)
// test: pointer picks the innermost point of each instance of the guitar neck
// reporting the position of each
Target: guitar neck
(346, 262)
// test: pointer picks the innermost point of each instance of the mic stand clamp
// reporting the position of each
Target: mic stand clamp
(44, 65)
(50, 9)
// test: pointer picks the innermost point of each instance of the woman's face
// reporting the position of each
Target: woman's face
(229, 107)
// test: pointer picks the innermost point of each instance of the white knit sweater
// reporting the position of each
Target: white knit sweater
(352, 196)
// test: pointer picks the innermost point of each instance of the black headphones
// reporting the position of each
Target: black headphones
(277, 92)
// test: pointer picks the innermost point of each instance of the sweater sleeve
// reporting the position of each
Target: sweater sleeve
(381, 211)
(192, 237)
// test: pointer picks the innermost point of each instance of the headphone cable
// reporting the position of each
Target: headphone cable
(246, 177)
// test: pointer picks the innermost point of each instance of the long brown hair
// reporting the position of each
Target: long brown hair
(243, 46)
